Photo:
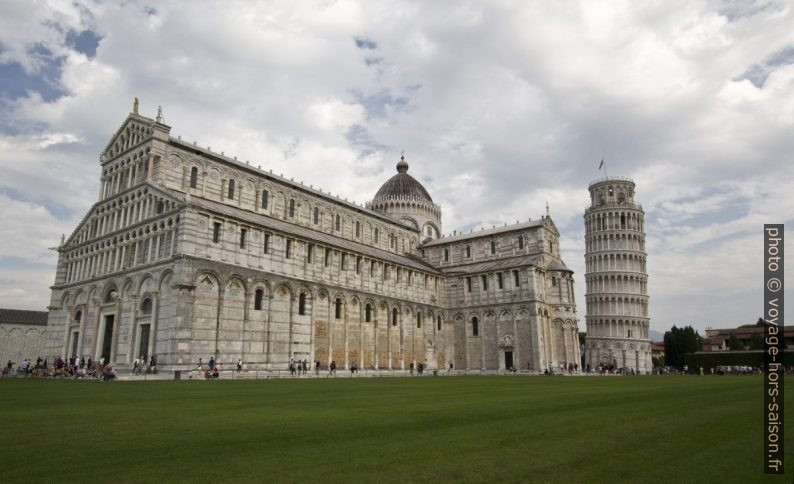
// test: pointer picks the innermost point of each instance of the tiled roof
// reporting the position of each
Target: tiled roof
(485, 233)
(493, 265)
(20, 316)
(320, 237)
(402, 186)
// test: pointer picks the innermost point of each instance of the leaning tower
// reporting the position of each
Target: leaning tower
(616, 278)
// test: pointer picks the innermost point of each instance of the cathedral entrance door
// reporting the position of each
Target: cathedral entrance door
(108, 338)
(508, 360)
(143, 347)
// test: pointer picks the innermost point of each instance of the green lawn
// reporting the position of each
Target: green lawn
(584, 429)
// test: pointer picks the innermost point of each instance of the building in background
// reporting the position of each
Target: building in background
(616, 293)
(22, 334)
(748, 337)
(190, 254)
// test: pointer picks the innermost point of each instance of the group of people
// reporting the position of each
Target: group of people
(298, 367)
(140, 363)
(72, 367)
(211, 371)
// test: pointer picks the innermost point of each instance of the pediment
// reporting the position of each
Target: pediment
(163, 193)
(134, 131)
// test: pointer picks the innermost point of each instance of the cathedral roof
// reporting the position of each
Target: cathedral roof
(485, 232)
(20, 316)
(311, 234)
(402, 186)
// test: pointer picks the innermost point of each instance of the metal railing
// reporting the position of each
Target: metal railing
(610, 178)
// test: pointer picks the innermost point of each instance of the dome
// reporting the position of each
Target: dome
(402, 185)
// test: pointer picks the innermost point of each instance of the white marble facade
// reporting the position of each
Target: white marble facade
(189, 254)
(616, 278)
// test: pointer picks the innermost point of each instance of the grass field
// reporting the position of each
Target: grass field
(586, 429)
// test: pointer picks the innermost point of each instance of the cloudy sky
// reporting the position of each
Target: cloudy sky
(500, 107)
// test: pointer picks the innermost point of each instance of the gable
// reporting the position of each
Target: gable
(134, 131)
(74, 239)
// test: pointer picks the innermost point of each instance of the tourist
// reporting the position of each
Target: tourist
(411, 369)
(7, 369)
(239, 365)
(317, 368)
(450, 369)
(291, 366)
(136, 366)
(332, 368)
(90, 364)
(211, 363)
(305, 366)
(152, 364)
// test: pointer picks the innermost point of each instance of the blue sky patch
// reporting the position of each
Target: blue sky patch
(85, 42)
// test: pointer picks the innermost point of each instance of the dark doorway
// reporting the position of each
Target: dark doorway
(108, 339)
(143, 347)
(75, 337)
(508, 359)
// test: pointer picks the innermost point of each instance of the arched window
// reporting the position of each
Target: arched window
(231, 190)
(554, 282)
(446, 255)
(265, 196)
(291, 208)
(468, 251)
(418, 320)
(475, 326)
(367, 313)
(302, 304)
(193, 177)
(376, 236)
(358, 229)
(439, 323)
(394, 317)
(338, 308)
(338, 222)
(493, 247)
(78, 316)
(146, 306)
(520, 242)
(316, 215)
(258, 299)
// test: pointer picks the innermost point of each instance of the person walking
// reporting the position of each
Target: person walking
(239, 365)
(317, 368)
(332, 368)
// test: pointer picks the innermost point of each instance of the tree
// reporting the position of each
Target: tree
(678, 342)
(758, 324)
(734, 344)
(757, 342)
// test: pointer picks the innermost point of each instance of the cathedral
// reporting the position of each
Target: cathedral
(188, 254)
